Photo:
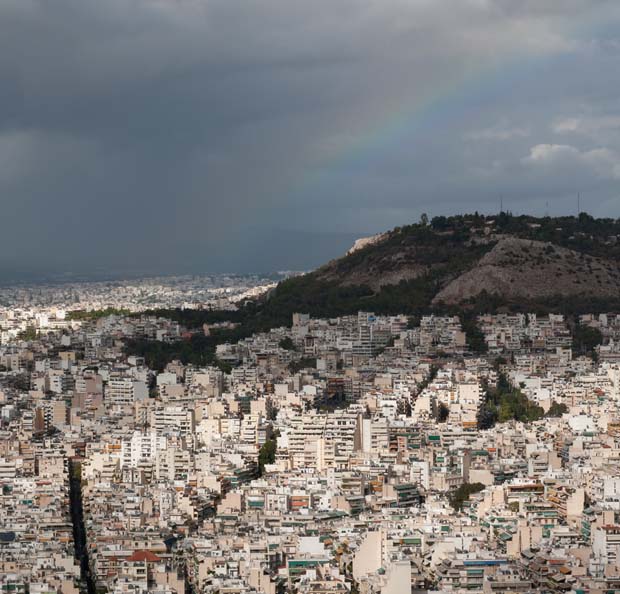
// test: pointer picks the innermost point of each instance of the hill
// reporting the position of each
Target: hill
(461, 265)
(465, 263)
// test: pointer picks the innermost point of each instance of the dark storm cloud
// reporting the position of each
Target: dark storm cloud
(194, 135)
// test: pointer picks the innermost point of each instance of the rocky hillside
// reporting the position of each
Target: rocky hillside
(471, 262)
(534, 270)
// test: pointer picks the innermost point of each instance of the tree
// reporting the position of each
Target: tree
(432, 374)
(505, 403)
(80, 314)
(223, 366)
(28, 334)
(304, 363)
(424, 219)
(287, 344)
(585, 339)
(413, 322)
(487, 416)
(443, 412)
(498, 362)
(267, 454)
(557, 409)
(19, 382)
(461, 495)
(474, 336)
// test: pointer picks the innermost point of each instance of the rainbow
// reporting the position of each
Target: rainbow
(399, 122)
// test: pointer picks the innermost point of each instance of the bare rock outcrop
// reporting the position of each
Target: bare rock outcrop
(524, 269)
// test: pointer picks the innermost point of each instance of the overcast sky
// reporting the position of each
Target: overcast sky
(241, 135)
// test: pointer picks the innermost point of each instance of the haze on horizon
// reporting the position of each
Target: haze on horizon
(174, 136)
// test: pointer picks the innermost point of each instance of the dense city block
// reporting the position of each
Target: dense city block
(361, 453)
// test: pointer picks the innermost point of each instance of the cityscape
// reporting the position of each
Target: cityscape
(309, 297)
(363, 453)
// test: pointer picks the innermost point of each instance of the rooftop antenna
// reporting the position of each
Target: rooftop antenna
(547, 208)
(578, 203)
(501, 203)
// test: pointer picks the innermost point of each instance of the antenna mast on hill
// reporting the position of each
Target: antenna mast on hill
(578, 203)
